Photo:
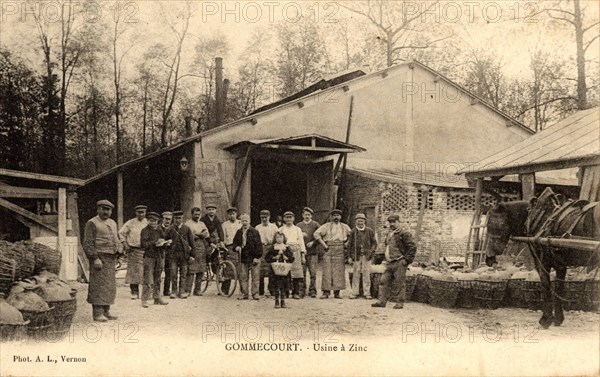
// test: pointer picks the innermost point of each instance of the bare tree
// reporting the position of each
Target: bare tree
(586, 31)
(120, 27)
(179, 27)
(400, 29)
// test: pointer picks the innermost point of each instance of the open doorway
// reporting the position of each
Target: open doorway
(278, 186)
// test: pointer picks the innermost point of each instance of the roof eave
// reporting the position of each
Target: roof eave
(533, 168)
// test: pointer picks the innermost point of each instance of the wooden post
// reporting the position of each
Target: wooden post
(120, 199)
(527, 185)
(61, 244)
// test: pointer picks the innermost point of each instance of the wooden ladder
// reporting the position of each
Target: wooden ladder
(477, 241)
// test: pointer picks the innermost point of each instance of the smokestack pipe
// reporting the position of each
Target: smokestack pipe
(224, 100)
(218, 91)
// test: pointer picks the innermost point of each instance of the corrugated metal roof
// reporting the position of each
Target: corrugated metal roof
(571, 142)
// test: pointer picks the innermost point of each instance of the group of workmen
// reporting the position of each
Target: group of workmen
(155, 242)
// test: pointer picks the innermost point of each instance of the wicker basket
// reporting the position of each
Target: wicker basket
(592, 292)
(532, 294)
(465, 297)
(409, 287)
(443, 294)
(515, 294)
(45, 258)
(62, 317)
(24, 258)
(421, 289)
(39, 322)
(575, 295)
(8, 268)
(280, 268)
(13, 333)
(489, 294)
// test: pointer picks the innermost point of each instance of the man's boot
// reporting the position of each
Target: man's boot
(283, 306)
(98, 313)
(160, 301)
(107, 314)
(277, 303)
(145, 304)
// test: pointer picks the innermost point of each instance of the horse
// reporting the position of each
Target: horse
(545, 216)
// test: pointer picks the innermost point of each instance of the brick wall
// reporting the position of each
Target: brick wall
(446, 219)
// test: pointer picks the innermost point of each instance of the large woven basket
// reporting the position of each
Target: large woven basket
(532, 294)
(24, 258)
(465, 298)
(575, 295)
(515, 296)
(443, 294)
(62, 316)
(39, 322)
(421, 290)
(13, 332)
(489, 294)
(8, 268)
(592, 295)
(46, 258)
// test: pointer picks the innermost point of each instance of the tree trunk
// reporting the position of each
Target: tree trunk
(581, 85)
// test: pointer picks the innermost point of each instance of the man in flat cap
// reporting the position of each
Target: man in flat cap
(308, 227)
(230, 228)
(215, 231)
(332, 236)
(247, 243)
(167, 220)
(102, 248)
(400, 250)
(182, 251)
(267, 230)
(130, 238)
(201, 241)
(154, 244)
(295, 242)
(362, 244)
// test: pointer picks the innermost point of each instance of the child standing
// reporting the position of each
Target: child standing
(279, 252)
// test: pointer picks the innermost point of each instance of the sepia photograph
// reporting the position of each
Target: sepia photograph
(299, 188)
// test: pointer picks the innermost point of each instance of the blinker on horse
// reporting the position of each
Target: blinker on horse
(545, 216)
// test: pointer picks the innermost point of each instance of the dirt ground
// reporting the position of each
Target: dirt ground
(213, 335)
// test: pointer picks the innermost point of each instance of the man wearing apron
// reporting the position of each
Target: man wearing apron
(333, 236)
(130, 237)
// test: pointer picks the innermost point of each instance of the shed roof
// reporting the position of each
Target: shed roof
(572, 142)
(41, 177)
(316, 144)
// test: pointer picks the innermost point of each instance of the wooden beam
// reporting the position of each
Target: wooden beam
(7, 191)
(120, 201)
(240, 181)
(306, 148)
(569, 243)
(25, 213)
(527, 185)
(61, 245)
(534, 167)
(41, 177)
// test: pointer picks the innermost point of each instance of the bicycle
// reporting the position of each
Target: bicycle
(224, 271)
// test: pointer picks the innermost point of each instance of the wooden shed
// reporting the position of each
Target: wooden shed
(572, 143)
(42, 208)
